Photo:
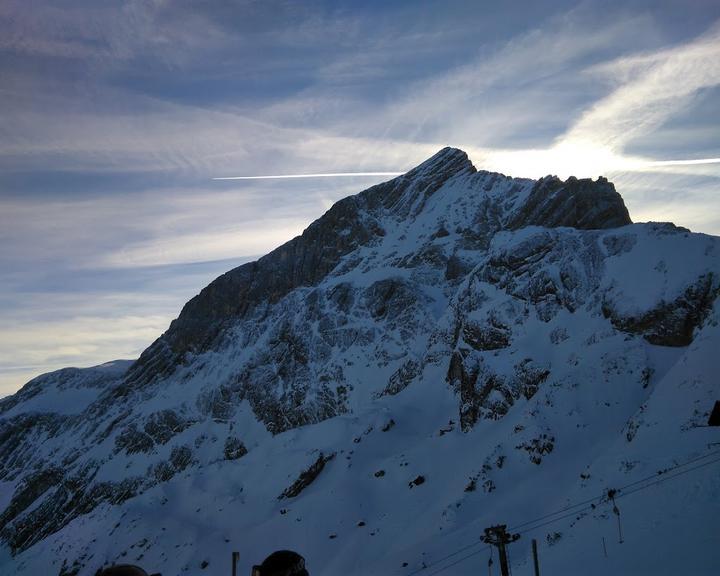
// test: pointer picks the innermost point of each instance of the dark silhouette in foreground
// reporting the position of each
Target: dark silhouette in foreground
(281, 563)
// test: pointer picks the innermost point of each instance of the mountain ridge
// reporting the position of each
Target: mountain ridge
(430, 326)
(352, 222)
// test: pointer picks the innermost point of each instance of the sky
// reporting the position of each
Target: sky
(115, 118)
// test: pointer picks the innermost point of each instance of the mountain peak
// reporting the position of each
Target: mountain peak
(444, 302)
(424, 196)
(446, 162)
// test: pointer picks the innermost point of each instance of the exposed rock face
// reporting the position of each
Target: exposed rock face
(358, 221)
(491, 336)
(159, 428)
(307, 477)
(582, 204)
(487, 394)
(401, 378)
(672, 323)
(234, 448)
(62, 497)
(304, 261)
(493, 290)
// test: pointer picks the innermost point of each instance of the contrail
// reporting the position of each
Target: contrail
(684, 162)
(329, 175)
(350, 174)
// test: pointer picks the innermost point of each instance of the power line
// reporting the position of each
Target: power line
(601, 497)
(621, 493)
(697, 459)
(578, 508)
(666, 478)
(447, 557)
(587, 504)
(458, 561)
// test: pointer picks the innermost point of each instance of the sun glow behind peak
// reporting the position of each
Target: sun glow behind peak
(580, 159)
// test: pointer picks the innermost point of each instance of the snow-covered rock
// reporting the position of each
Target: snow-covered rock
(442, 352)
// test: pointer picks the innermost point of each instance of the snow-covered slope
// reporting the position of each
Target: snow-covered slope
(446, 351)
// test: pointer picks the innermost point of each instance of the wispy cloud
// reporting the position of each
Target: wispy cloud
(173, 93)
(107, 34)
(687, 199)
(503, 93)
(255, 237)
(70, 319)
(655, 87)
(647, 90)
(37, 346)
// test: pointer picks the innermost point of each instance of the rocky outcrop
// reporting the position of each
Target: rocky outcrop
(577, 203)
(19, 434)
(491, 336)
(61, 498)
(488, 394)
(307, 476)
(303, 261)
(401, 378)
(389, 298)
(538, 447)
(671, 323)
(470, 284)
(159, 428)
(234, 448)
(358, 221)
(32, 487)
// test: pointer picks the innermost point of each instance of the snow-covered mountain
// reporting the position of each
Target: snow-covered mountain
(442, 352)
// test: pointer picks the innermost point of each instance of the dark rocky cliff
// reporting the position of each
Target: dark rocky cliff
(489, 292)
(358, 221)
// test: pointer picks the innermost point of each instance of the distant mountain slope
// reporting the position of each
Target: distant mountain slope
(444, 351)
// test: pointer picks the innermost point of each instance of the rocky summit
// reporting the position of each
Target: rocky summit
(443, 352)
